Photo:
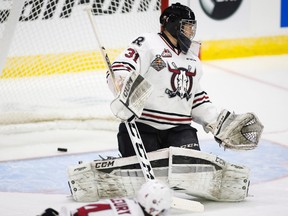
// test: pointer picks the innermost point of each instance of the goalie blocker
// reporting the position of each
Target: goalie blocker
(211, 177)
(131, 99)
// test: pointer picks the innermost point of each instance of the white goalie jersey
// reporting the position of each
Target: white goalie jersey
(177, 97)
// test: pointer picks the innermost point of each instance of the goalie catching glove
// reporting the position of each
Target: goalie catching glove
(238, 132)
(131, 99)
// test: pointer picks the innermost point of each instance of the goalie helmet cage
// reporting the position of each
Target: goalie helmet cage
(52, 75)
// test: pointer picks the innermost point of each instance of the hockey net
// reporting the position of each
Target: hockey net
(51, 72)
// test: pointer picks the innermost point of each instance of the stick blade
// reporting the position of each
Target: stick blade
(189, 205)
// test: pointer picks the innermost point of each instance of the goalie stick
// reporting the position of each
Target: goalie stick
(136, 140)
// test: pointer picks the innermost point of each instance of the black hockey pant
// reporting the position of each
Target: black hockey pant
(153, 139)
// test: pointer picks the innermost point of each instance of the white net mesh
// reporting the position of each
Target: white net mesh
(52, 71)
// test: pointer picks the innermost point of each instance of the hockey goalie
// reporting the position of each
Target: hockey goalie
(156, 81)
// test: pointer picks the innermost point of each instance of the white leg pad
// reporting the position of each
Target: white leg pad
(211, 178)
(82, 183)
(112, 178)
(217, 180)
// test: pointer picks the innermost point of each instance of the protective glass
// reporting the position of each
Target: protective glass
(188, 28)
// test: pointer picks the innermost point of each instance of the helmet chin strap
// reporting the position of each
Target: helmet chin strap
(184, 42)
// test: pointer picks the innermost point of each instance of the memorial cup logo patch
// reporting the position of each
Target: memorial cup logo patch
(181, 82)
(158, 63)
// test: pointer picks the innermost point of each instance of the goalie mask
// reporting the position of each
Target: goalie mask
(179, 21)
(155, 198)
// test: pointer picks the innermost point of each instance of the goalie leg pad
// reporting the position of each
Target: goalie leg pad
(235, 183)
(92, 186)
(212, 178)
(81, 180)
(114, 177)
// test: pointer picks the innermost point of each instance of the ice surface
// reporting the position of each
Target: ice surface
(33, 172)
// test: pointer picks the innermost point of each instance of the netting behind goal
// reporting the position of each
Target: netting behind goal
(51, 70)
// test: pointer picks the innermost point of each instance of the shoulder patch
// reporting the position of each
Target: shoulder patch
(166, 53)
(158, 63)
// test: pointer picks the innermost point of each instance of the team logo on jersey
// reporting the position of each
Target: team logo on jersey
(181, 81)
(166, 53)
(158, 63)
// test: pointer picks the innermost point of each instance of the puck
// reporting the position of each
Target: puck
(62, 149)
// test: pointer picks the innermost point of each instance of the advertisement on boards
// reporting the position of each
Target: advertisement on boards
(284, 13)
(220, 19)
